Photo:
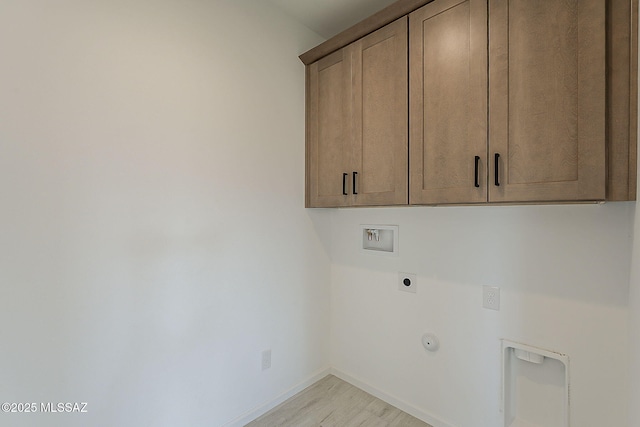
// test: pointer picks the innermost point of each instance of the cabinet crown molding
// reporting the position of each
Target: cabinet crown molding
(366, 26)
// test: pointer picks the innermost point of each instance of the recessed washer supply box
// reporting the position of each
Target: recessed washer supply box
(379, 239)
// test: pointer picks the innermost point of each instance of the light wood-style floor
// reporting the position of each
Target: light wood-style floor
(332, 402)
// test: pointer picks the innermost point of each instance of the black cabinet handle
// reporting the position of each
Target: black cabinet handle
(477, 178)
(344, 183)
(354, 182)
(497, 169)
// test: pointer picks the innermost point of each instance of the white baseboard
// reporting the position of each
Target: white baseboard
(262, 409)
(391, 400)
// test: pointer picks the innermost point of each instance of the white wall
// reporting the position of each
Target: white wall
(564, 276)
(153, 241)
(634, 334)
(152, 233)
(634, 309)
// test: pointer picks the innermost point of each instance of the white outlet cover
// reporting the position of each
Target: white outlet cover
(407, 282)
(491, 297)
(266, 359)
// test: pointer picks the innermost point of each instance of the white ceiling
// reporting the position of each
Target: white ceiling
(329, 17)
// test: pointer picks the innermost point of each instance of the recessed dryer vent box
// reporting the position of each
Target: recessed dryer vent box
(535, 386)
(379, 239)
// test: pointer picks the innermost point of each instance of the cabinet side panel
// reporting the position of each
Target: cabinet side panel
(618, 99)
(622, 98)
(307, 137)
(633, 107)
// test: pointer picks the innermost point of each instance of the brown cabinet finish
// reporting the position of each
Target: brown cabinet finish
(510, 101)
(622, 98)
(386, 16)
(380, 117)
(328, 129)
(357, 122)
(448, 102)
(547, 99)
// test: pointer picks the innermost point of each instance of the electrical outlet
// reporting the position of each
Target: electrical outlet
(266, 359)
(491, 297)
(407, 282)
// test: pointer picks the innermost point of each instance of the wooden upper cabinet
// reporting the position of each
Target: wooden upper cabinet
(546, 101)
(380, 117)
(328, 130)
(434, 102)
(357, 122)
(547, 94)
(448, 102)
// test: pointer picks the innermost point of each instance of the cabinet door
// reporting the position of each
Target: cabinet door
(380, 117)
(547, 100)
(448, 102)
(328, 130)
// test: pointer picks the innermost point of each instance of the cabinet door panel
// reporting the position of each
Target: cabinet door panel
(380, 124)
(547, 99)
(448, 110)
(328, 118)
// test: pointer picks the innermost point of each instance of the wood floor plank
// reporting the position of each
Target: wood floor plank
(366, 419)
(383, 410)
(332, 402)
(406, 420)
(311, 403)
(346, 406)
